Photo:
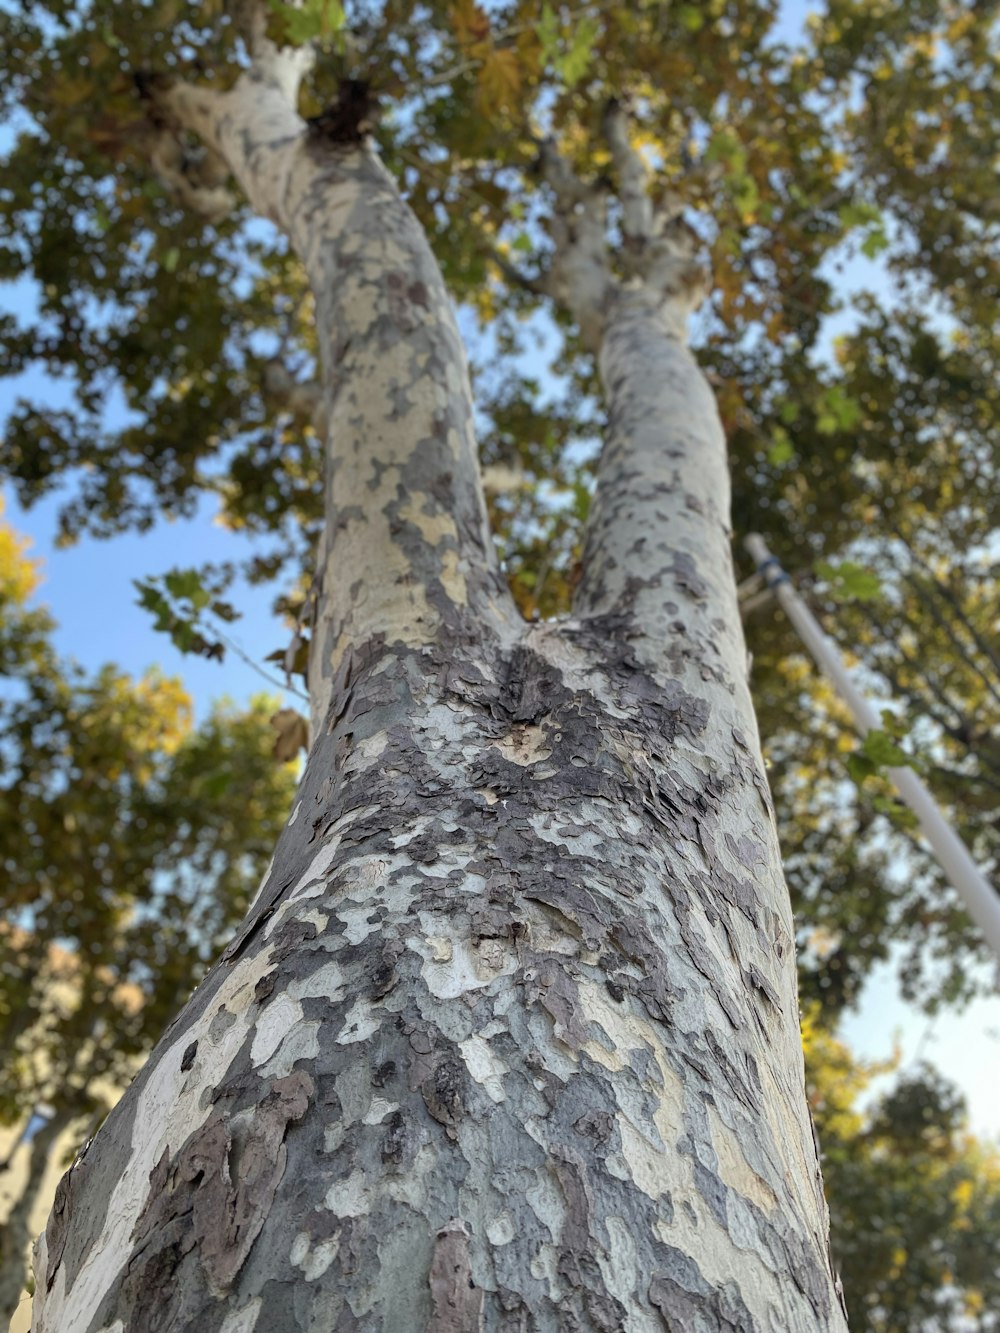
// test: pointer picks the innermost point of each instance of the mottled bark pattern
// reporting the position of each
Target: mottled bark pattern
(406, 532)
(520, 954)
(509, 1039)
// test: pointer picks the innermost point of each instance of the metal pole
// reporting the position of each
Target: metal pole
(981, 901)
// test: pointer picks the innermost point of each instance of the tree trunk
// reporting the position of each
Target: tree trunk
(509, 1038)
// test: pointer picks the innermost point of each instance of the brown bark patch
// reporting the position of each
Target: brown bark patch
(194, 1201)
(457, 1303)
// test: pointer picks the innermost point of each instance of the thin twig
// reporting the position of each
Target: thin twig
(246, 658)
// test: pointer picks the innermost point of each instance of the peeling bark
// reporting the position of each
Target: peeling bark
(509, 1038)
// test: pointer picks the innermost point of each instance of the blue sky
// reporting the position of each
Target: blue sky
(90, 591)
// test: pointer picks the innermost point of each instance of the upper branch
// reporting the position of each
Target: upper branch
(633, 193)
(283, 66)
(580, 275)
(658, 256)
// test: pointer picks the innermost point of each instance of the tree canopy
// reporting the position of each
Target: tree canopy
(914, 1198)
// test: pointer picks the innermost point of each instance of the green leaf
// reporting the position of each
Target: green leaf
(836, 410)
(314, 20)
(170, 258)
(691, 18)
(891, 806)
(186, 583)
(858, 214)
(522, 243)
(851, 580)
(874, 243)
(789, 412)
(212, 785)
(572, 66)
(547, 32)
(882, 750)
(745, 194)
(781, 451)
(860, 767)
(725, 147)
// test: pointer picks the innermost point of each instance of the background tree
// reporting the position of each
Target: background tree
(130, 843)
(914, 1198)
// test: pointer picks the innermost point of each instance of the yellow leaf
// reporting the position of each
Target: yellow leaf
(499, 80)
(292, 734)
(19, 575)
(470, 22)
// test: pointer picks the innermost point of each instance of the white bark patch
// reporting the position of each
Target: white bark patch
(167, 1111)
(525, 745)
(623, 1030)
(468, 968)
(434, 528)
(314, 1260)
(545, 1267)
(648, 1164)
(734, 1169)
(485, 1067)
(327, 982)
(441, 948)
(350, 1197)
(315, 890)
(302, 1043)
(452, 579)
(619, 1266)
(368, 749)
(547, 1203)
(500, 1229)
(244, 1320)
(551, 931)
(378, 1111)
(695, 1231)
(320, 865)
(653, 1170)
(415, 1188)
(359, 1024)
(275, 1022)
(359, 922)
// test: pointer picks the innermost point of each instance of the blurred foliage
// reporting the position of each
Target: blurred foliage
(914, 1198)
(845, 176)
(131, 842)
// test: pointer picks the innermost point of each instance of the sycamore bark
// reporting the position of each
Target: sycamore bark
(509, 1038)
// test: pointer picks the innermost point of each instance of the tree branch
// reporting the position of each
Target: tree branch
(580, 276)
(195, 179)
(283, 66)
(303, 399)
(633, 194)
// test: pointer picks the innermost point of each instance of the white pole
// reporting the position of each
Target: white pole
(981, 901)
